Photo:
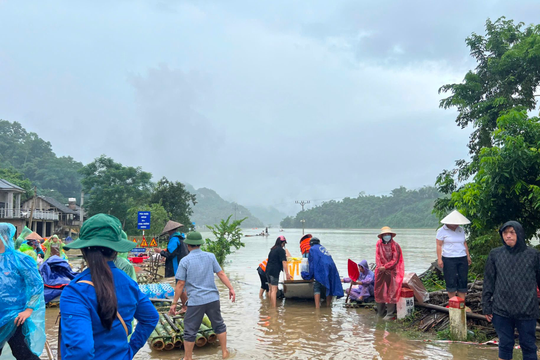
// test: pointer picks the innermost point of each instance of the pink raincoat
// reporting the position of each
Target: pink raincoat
(388, 283)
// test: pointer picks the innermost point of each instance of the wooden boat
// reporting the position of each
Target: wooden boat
(256, 235)
(298, 289)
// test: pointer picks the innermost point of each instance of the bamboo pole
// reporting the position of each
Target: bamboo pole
(171, 322)
(155, 341)
(443, 309)
(208, 333)
(206, 321)
(469, 315)
(180, 332)
(169, 344)
(200, 340)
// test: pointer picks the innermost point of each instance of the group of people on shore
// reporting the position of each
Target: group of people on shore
(100, 304)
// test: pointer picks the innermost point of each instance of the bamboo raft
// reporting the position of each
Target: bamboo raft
(169, 333)
(355, 305)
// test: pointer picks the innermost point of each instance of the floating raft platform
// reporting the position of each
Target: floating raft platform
(354, 305)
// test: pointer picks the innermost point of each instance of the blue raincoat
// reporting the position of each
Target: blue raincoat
(21, 287)
(176, 250)
(323, 269)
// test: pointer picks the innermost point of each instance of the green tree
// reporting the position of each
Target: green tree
(113, 188)
(175, 199)
(499, 182)
(61, 174)
(23, 150)
(33, 157)
(506, 185)
(506, 76)
(228, 236)
(158, 218)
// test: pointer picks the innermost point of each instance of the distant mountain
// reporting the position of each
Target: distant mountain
(269, 215)
(211, 208)
(403, 208)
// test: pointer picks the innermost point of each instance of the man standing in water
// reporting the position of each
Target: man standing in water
(511, 276)
(196, 273)
(323, 269)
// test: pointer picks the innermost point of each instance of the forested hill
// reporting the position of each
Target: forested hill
(401, 209)
(27, 160)
(211, 208)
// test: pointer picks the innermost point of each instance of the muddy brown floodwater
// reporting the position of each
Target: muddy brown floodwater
(295, 330)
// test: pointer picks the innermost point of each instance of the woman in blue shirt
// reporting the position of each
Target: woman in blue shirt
(99, 305)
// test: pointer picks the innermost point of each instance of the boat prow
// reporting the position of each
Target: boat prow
(298, 289)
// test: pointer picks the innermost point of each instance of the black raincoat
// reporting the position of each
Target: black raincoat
(511, 276)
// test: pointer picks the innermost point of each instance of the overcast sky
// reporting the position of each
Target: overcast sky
(265, 102)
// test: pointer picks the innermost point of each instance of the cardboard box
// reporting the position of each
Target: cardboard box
(413, 282)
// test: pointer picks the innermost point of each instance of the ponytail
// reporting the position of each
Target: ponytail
(102, 277)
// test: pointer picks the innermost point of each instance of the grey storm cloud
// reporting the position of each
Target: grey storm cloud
(264, 102)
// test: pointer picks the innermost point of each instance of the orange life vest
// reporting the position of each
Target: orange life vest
(304, 246)
(263, 265)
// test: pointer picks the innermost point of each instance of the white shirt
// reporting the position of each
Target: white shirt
(453, 242)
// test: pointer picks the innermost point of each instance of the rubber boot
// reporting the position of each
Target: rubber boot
(381, 307)
(390, 312)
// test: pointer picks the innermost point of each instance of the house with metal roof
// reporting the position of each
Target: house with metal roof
(62, 219)
(42, 214)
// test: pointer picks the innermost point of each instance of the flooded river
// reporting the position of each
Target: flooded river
(295, 330)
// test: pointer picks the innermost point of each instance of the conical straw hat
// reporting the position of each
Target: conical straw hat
(171, 225)
(34, 236)
(386, 230)
(455, 218)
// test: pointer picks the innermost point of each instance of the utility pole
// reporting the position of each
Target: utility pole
(33, 209)
(303, 221)
(81, 213)
(235, 209)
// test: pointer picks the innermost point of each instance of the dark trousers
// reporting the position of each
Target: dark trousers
(456, 271)
(19, 348)
(194, 316)
(527, 336)
(264, 280)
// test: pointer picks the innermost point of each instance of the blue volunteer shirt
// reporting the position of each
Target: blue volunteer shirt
(83, 337)
(197, 270)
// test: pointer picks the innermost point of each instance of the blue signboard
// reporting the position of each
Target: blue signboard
(143, 220)
(138, 250)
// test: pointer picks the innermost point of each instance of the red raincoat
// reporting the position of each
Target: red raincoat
(388, 283)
